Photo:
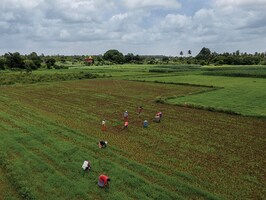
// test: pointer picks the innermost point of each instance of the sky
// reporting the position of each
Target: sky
(144, 27)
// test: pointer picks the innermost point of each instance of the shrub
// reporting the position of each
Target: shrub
(60, 67)
(160, 100)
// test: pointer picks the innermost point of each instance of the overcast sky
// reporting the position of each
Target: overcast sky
(145, 27)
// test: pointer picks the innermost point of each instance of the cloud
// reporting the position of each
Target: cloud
(148, 26)
(160, 4)
(241, 3)
(18, 4)
(176, 23)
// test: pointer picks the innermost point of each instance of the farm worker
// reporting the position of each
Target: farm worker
(157, 118)
(86, 166)
(104, 181)
(102, 144)
(126, 125)
(104, 125)
(126, 116)
(140, 110)
(145, 124)
(160, 114)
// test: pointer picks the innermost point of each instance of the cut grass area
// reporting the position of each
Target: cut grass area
(49, 129)
(245, 96)
(236, 71)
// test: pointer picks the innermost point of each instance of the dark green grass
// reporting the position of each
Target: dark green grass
(28, 78)
(175, 68)
(237, 71)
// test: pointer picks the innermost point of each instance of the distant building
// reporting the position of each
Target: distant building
(89, 60)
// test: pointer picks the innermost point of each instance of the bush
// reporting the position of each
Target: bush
(160, 100)
(60, 67)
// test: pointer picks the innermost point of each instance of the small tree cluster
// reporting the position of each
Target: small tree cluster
(114, 56)
(15, 61)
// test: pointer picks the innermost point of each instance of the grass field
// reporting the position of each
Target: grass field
(245, 96)
(47, 130)
(236, 89)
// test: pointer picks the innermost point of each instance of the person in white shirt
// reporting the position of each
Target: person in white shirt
(86, 166)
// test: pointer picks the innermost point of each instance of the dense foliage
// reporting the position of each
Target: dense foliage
(33, 61)
(114, 56)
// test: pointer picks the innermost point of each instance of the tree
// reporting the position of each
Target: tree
(138, 59)
(50, 62)
(29, 65)
(165, 59)
(151, 60)
(35, 59)
(129, 57)
(62, 59)
(114, 56)
(2, 63)
(189, 52)
(181, 53)
(14, 61)
(204, 54)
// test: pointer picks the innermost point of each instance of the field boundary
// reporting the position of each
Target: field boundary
(178, 83)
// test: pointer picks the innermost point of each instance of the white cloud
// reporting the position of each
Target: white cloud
(29, 4)
(133, 4)
(64, 34)
(242, 3)
(140, 25)
(119, 17)
(178, 22)
(4, 25)
(8, 16)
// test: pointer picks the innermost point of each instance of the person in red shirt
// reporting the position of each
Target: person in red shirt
(158, 117)
(160, 114)
(125, 124)
(104, 181)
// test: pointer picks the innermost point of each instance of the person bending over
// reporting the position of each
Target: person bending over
(102, 144)
(104, 181)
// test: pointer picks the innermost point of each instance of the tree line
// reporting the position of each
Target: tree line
(33, 61)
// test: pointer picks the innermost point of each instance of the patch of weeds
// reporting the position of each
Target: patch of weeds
(252, 179)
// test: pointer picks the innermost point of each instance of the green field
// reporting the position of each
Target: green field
(48, 129)
(238, 89)
(245, 96)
